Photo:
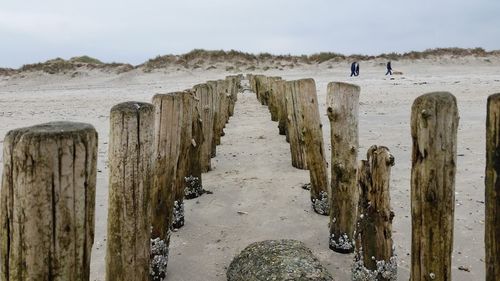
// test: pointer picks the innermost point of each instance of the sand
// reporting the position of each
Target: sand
(257, 194)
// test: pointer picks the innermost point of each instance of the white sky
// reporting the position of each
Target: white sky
(133, 30)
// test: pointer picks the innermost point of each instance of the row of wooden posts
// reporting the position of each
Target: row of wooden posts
(357, 197)
(157, 153)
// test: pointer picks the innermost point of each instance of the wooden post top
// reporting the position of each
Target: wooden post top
(132, 107)
(53, 130)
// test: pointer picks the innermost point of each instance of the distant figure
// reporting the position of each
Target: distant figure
(357, 69)
(353, 69)
(389, 68)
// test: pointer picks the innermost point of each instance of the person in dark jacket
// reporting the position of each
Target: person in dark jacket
(357, 69)
(389, 68)
(353, 69)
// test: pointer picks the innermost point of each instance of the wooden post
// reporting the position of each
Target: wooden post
(375, 259)
(47, 202)
(194, 185)
(434, 122)
(130, 182)
(278, 94)
(252, 82)
(492, 191)
(295, 124)
(343, 107)
(223, 88)
(307, 114)
(215, 94)
(262, 89)
(205, 103)
(273, 99)
(183, 165)
(166, 148)
(234, 88)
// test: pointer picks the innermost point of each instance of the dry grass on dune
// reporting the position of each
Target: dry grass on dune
(233, 60)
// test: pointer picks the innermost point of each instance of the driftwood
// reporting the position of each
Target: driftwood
(47, 202)
(434, 122)
(130, 182)
(375, 259)
(343, 106)
(492, 194)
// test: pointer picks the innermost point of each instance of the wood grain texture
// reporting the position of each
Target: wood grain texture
(205, 100)
(130, 183)
(492, 189)
(375, 259)
(342, 108)
(47, 202)
(295, 124)
(166, 149)
(434, 123)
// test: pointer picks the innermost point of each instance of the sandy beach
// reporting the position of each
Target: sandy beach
(257, 194)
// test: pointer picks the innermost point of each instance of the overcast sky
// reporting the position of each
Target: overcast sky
(133, 31)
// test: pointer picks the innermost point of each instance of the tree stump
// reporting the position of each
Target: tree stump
(434, 123)
(205, 100)
(194, 185)
(166, 149)
(47, 202)
(492, 194)
(295, 123)
(375, 259)
(343, 107)
(130, 182)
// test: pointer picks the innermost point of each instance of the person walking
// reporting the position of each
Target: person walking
(353, 69)
(357, 69)
(389, 68)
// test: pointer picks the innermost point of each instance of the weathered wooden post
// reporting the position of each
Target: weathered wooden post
(47, 202)
(130, 181)
(278, 89)
(262, 89)
(434, 122)
(216, 95)
(343, 107)
(183, 165)
(307, 115)
(272, 99)
(234, 87)
(166, 147)
(375, 259)
(295, 124)
(223, 86)
(205, 104)
(194, 185)
(492, 190)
